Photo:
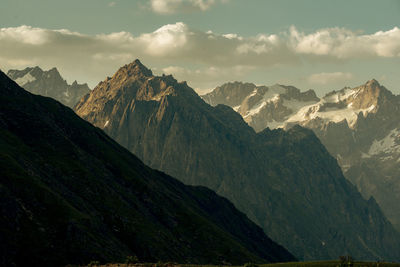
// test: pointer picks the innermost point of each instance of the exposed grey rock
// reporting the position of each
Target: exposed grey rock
(286, 181)
(49, 83)
(359, 126)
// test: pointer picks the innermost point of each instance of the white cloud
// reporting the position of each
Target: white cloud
(179, 6)
(343, 44)
(168, 39)
(330, 78)
(24, 35)
(92, 57)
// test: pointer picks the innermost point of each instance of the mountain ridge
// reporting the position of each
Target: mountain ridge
(71, 195)
(49, 83)
(272, 175)
(359, 127)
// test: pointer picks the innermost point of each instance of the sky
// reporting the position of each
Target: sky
(318, 44)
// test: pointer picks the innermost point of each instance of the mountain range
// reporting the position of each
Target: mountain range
(69, 194)
(284, 180)
(359, 126)
(49, 83)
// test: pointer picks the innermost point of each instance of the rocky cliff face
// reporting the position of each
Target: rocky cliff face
(49, 83)
(359, 126)
(261, 106)
(285, 181)
(69, 194)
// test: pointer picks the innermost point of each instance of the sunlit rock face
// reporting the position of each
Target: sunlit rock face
(286, 181)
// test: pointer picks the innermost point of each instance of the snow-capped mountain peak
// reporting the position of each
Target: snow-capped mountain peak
(262, 106)
(359, 126)
(49, 83)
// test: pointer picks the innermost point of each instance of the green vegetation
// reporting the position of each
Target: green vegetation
(131, 260)
(335, 263)
(332, 264)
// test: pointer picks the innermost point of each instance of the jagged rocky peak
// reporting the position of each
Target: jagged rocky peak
(49, 83)
(373, 83)
(139, 83)
(231, 93)
(262, 106)
(284, 180)
(135, 69)
(54, 72)
(102, 202)
(130, 86)
(25, 76)
(126, 75)
(31, 74)
(359, 126)
(366, 97)
(295, 93)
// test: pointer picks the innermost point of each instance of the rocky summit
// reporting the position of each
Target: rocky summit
(261, 106)
(49, 83)
(69, 194)
(359, 126)
(285, 181)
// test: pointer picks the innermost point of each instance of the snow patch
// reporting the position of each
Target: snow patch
(256, 109)
(66, 93)
(340, 96)
(253, 93)
(272, 95)
(333, 114)
(27, 78)
(275, 124)
(388, 145)
(295, 105)
(274, 91)
(368, 110)
(105, 124)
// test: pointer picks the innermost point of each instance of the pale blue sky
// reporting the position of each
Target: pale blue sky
(246, 18)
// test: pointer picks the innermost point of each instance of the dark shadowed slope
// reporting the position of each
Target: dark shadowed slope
(70, 194)
(359, 126)
(286, 181)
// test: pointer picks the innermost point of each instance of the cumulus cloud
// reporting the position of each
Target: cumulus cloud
(179, 6)
(343, 44)
(92, 57)
(324, 78)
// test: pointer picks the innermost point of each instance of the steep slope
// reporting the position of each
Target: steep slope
(359, 126)
(70, 194)
(369, 151)
(49, 83)
(261, 106)
(285, 181)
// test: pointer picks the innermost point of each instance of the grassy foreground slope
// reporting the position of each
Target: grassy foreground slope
(333, 263)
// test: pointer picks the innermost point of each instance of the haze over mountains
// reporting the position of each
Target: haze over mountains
(286, 181)
(69, 194)
(359, 126)
(49, 83)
